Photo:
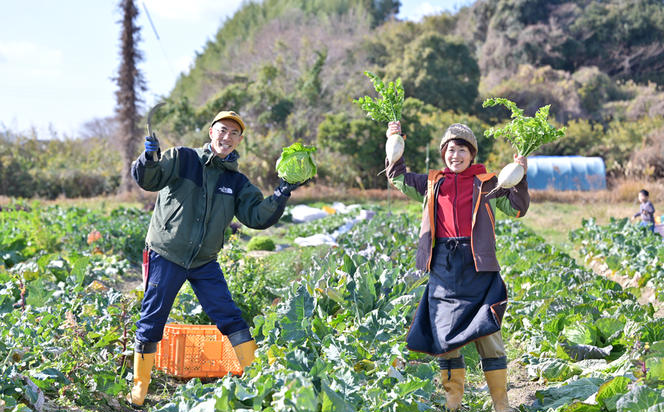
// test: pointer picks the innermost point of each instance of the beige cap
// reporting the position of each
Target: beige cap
(226, 114)
(459, 131)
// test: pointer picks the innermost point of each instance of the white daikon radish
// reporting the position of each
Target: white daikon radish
(510, 176)
(526, 134)
(385, 109)
(394, 148)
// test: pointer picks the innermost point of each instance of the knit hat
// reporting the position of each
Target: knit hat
(459, 131)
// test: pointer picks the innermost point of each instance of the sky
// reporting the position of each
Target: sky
(58, 58)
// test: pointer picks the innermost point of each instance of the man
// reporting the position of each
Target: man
(200, 191)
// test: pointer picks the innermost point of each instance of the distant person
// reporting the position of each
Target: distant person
(647, 211)
(466, 298)
(200, 191)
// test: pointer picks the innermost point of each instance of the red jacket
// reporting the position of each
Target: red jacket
(455, 202)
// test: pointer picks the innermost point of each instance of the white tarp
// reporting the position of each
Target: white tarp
(331, 239)
(316, 240)
(304, 213)
(341, 208)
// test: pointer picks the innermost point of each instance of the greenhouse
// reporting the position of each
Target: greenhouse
(566, 173)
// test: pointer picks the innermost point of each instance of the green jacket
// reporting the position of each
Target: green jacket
(199, 194)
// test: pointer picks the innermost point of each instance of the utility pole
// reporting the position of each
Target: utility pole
(130, 84)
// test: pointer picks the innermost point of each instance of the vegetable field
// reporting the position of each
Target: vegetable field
(330, 322)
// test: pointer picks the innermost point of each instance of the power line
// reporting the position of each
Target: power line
(161, 46)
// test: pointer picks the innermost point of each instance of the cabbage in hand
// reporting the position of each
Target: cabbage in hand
(296, 163)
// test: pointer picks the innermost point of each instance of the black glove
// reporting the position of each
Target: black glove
(152, 147)
(285, 188)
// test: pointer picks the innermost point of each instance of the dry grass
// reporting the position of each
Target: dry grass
(553, 220)
(306, 194)
(142, 200)
(319, 193)
(621, 190)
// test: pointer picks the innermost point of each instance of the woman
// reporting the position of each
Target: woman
(465, 298)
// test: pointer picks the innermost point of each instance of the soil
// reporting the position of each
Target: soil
(521, 388)
(130, 281)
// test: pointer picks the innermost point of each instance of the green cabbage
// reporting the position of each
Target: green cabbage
(296, 163)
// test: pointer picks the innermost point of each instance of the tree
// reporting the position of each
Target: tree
(103, 128)
(130, 83)
(363, 140)
(383, 10)
(438, 70)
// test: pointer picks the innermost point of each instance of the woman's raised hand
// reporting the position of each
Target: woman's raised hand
(393, 128)
(523, 161)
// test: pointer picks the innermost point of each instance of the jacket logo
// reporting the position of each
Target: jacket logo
(224, 189)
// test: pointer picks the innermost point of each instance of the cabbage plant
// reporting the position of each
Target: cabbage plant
(296, 163)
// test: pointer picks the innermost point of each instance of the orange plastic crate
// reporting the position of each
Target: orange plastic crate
(196, 351)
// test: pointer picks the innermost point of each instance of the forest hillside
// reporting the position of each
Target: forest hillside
(292, 69)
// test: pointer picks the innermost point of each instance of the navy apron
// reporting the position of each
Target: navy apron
(459, 304)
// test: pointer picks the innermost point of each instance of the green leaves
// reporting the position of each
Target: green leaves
(71, 335)
(590, 324)
(526, 134)
(655, 368)
(330, 343)
(334, 339)
(552, 370)
(550, 399)
(388, 107)
(580, 334)
(332, 401)
(609, 393)
(625, 248)
(296, 322)
(641, 398)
